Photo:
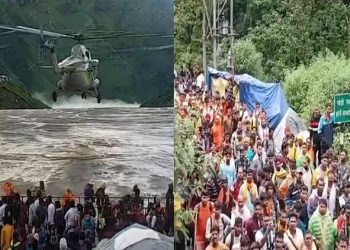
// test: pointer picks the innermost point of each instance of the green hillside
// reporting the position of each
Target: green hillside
(165, 99)
(135, 76)
(16, 97)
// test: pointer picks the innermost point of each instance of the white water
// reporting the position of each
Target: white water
(67, 147)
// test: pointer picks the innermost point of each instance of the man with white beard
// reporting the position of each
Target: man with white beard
(240, 210)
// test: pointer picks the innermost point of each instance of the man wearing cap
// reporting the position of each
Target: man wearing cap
(89, 191)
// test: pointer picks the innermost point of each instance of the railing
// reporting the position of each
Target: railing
(80, 199)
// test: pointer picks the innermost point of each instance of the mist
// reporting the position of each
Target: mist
(75, 102)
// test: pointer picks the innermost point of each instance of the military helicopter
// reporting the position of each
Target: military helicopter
(78, 71)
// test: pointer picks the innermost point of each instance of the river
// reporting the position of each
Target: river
(65, 147)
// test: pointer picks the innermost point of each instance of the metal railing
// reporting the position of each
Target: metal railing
(80, 199)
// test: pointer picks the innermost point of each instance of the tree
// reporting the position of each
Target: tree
(248, 59)
(313, 86)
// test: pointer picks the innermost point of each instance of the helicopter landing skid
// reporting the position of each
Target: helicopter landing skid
(83, 94)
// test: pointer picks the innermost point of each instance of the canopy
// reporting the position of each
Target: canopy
(137, 237)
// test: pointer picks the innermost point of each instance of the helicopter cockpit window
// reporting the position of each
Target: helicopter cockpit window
(88, 54)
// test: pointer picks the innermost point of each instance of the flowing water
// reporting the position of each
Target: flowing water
(120, 146)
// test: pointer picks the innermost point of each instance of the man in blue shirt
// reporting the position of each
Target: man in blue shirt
(325, 129)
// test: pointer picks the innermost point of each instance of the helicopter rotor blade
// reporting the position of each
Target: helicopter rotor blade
(162, 47)
(128, 36)
(4, 46)
(7, 32)
(35, 31)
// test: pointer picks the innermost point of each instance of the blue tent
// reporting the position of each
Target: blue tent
(271, 98)
(251, 90)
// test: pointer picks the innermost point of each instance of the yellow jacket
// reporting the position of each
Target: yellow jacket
(317, 174)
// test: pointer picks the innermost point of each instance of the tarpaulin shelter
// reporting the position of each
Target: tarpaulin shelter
(270, 96)
(137, 237)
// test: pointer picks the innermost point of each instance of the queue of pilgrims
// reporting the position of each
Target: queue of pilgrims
(293, 197)
(39, 221)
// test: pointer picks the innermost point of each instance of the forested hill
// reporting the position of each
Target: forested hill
(128, 75)
(274, 38)
(304, 44)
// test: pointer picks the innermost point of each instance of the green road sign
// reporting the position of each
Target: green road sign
(342, 108)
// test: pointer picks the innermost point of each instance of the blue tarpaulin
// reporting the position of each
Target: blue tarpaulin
(270, 96)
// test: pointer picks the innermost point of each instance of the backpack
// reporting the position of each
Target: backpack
(89, 225)
(223, 223)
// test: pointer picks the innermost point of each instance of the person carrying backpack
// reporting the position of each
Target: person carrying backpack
(218, 219)
(203, 210)
(88, 225)
(233, 239)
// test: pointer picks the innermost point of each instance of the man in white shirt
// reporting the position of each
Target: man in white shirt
(307, 173)
(241, 211)
(217, 219)
(2, 210)
(200, 81)
(50, 212)
(293, 237)
(233, 240)
(266, 236)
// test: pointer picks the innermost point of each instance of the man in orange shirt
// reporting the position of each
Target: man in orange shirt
(204, 210)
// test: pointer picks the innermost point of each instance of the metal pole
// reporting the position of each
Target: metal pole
(231, 37)
(341, 139)
(214, 36)
(204, 43)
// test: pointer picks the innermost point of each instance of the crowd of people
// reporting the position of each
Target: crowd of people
(41, 222)
(260, 196)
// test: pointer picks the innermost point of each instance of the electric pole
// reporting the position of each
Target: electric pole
(214, 36)
(231, 38)
(204, 48)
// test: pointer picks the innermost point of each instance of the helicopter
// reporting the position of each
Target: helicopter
(79, 71)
